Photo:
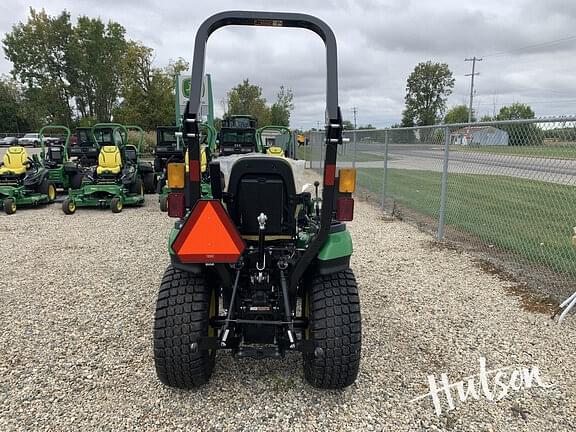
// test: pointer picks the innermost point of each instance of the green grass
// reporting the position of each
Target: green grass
(566, 151)
(533, 219)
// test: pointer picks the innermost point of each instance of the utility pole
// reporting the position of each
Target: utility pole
(317, 125)
(471, 75)
(355, 111)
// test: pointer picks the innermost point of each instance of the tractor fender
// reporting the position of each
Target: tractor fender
(334, 256)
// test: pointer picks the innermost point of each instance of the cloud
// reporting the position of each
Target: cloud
(379, 43)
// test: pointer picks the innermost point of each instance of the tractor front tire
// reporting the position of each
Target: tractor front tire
(185, 303)
(68, 206)
(116, 205)
(333, 308)
(150, 183)
(9, 206)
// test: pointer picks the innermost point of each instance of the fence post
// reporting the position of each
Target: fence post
(444, 185)
(385, 176)
(355, 149)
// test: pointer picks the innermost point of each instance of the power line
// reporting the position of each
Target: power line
(528, 47)
(471, 75)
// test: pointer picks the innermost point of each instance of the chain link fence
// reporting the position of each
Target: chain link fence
(504, 190)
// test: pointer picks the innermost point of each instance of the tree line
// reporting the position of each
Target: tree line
(81, 73)
(88, 71)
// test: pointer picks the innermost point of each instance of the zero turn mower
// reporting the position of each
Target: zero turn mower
(62, 172)
(115, 182)
(23, 180)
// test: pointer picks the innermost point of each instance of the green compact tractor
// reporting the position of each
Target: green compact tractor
(115, 181)
(64, 173)
(24, 180)
(169, 148)
(259, 269)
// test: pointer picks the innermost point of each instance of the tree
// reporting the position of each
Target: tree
(523, 134)
(458, 114)
(12, 107)
(247, 98)
(427, 89)
(281, 109)
(95, 54)
(516, 111)
(147, 92)
(348, 125)
(38, 50)
(67, 70)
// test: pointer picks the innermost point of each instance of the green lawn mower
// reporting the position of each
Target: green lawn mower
(145, 169)
(173, 151)
(274, 140)
(23, 180)
(262, 268)
(115, 182)
(62, 172)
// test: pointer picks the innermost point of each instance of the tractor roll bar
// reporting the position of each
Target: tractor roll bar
(270, 19)
(191, 124)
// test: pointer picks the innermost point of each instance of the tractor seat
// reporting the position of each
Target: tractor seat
(262, 184)
(15, 161)
(109, 160)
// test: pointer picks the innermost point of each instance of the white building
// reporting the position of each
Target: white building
(479, 136)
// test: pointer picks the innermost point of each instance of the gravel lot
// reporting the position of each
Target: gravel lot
(78, 296)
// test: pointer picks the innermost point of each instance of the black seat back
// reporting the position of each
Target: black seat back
(262, 185)
(55, 154)
(131, 153)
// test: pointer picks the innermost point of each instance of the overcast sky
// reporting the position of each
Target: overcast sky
(528, 48)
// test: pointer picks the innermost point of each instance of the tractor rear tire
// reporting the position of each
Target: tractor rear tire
(335, 326)
(116, 205)
(183, 312)
(68, 206)
(9, 206)
(163, 203)
(76, 181)
(150, 183)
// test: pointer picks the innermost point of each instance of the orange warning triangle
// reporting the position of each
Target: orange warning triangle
(208, 236)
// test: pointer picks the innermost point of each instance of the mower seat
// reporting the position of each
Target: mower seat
(109, 160)
(15, 161)
(55, 155)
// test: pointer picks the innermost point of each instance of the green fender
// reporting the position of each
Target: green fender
(338, 245)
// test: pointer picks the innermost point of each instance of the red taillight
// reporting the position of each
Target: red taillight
(176, 204)
(345, 209)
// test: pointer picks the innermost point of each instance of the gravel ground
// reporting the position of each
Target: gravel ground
(78, 296)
